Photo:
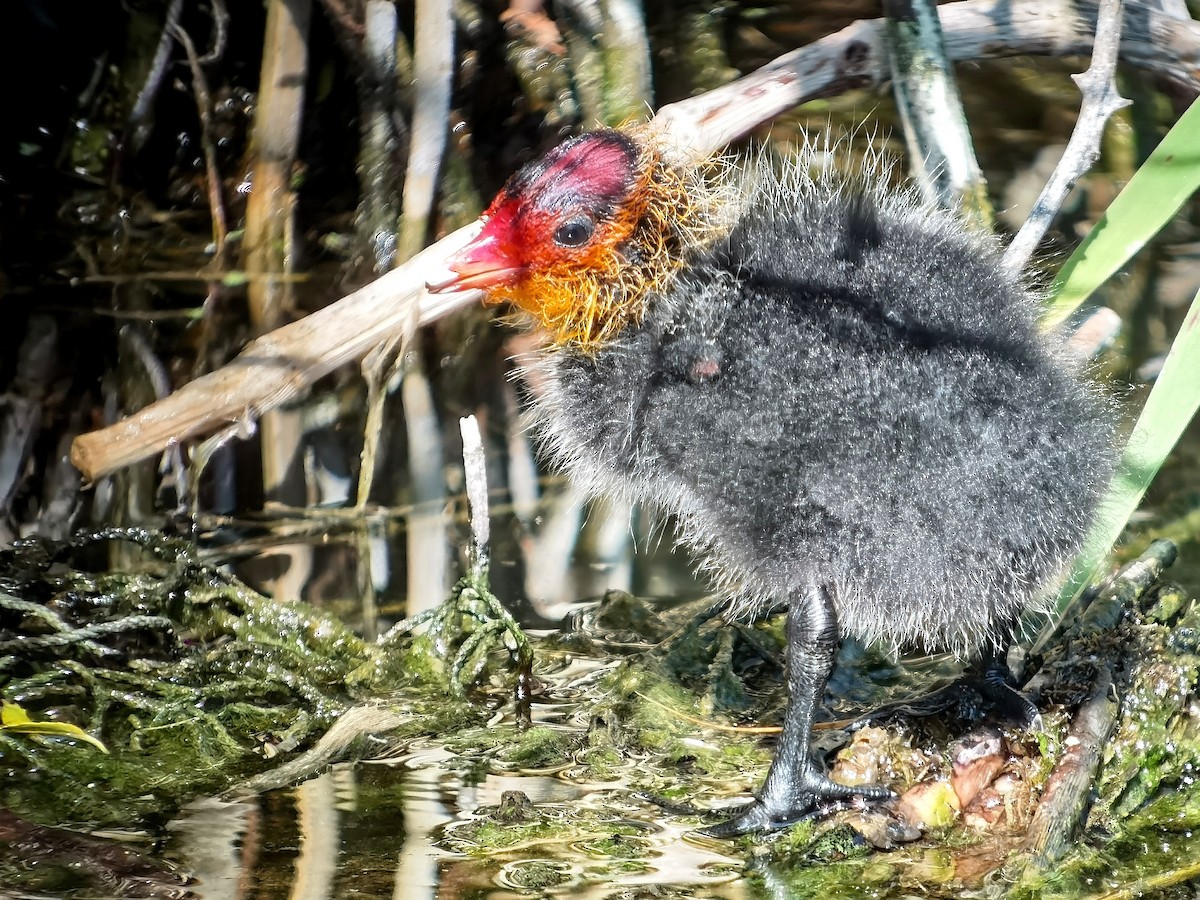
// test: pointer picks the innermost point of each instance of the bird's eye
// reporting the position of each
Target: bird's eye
(574, 233)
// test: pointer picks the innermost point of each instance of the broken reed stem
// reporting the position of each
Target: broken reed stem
(1101, 99)
(379, 145)
(941, 156)
(375, 220)
(427, 538)
(475, 464)
(1123, 589)
(1064, 803)
(267, 247)
(433, 75)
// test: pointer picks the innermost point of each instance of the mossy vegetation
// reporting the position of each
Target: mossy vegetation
(192, 680)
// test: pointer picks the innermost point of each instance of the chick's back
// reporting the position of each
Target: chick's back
(846, 391)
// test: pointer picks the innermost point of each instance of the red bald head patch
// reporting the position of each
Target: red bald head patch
(594, 170)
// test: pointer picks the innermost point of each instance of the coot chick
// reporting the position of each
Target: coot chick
(838, 393)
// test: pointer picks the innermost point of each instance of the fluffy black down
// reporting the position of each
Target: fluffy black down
(846, 391)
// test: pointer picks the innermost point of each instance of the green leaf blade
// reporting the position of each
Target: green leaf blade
(1170, 408)
(1160, 187)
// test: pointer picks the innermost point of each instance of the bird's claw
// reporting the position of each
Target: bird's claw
(753, 818)
(1009, 703)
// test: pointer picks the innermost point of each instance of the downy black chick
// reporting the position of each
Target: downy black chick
(835, 389)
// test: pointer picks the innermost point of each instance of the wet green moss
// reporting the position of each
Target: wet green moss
(856, 879)
(617, 845)
(1158, 739)
(487, 837)
(539, 748)
(231, 680)
(537, 874)
(600, 757)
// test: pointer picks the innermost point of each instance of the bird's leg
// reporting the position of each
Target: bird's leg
(795, 787)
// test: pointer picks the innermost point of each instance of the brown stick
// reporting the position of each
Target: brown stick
(1065, 801)
(279, 365)
(856, 57)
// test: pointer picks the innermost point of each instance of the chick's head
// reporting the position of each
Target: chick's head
(580, 238)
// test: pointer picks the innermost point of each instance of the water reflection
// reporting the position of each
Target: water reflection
(211, 837)
(382, 829)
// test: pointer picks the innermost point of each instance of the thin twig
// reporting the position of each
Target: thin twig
(220, 35)
(132, 340)
(376, 367)
(137, 126)
(216, 204)
(1101, 99)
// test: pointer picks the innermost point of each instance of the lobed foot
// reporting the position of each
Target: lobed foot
(988, 689)
(813, 797)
